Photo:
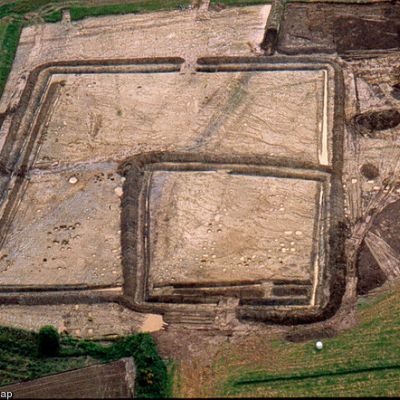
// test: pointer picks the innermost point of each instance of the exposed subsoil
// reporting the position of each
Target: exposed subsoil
(387, 226)
(371, 123)
(341, 28)
(369, 274)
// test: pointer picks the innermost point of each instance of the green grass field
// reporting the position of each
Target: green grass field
(9, 38)
(20, 360)
(78, 12)
(364, 361)
(22, 7)
(55, 16)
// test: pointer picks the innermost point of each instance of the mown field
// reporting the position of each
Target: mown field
(20, 359)
(364, 361)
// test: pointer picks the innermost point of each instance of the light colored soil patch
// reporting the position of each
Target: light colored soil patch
(175, 33)
(82, 320)
(152, 323)
(65, 233)
(105, 116)
(219, 227)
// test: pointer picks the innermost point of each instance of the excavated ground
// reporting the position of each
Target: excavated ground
(210, 227)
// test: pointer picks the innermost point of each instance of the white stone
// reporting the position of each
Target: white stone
(118, 191)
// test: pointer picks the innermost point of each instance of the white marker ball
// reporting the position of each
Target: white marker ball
(319, 345)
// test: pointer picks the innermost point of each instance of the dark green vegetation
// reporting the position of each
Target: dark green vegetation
(48, 342)
(20, 359)
(78, 12)
(363, 361)
(9, 38)
(22, 7)
(55, 16)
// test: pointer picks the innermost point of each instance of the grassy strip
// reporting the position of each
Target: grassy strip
(241, 3)
(78, 13)
(171, 373)
(3, 27)
(22, 7)
(55, 16)
(8, 49)
(20, 361)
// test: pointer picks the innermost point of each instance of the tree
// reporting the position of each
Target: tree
(48, 341)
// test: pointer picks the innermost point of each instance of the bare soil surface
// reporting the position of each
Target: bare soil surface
(222, 113)
(66, 231)
(341, 28)
(244, 228)
(65, 222)
(159, 34)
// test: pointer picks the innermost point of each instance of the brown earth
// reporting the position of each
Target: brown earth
(341, 28)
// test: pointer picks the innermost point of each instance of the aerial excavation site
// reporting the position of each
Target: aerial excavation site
(199, 198)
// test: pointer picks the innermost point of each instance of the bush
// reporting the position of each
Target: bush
(151, 371)
(48, 341)
(25, 352)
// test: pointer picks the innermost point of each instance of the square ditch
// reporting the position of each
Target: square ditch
(196, 230)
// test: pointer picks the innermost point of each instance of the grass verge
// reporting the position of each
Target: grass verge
(8, 48)
(365, 354)
(55, 16)
(241, 3)
(80, 12)
(20, 360)
(22, 7)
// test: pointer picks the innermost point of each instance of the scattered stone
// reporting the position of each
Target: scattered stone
(73, 180)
